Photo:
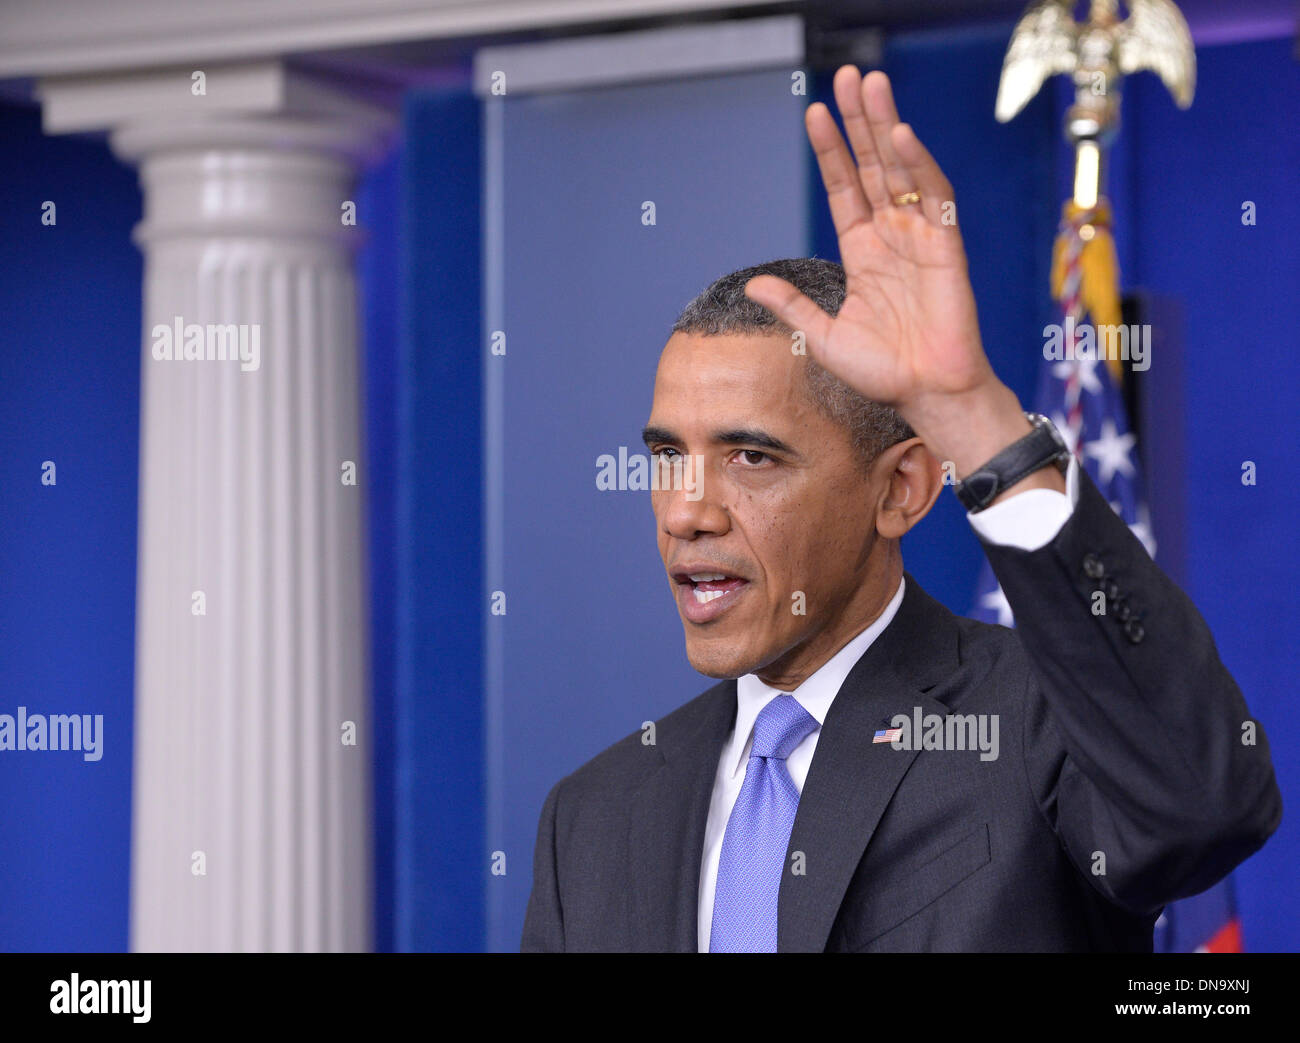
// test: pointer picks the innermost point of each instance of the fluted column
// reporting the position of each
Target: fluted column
(251, 819)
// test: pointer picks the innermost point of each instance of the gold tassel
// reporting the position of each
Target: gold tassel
(1098, 269)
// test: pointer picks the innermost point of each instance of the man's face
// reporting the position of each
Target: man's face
(777, 525)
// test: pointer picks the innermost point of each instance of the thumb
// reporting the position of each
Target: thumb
(791, 307)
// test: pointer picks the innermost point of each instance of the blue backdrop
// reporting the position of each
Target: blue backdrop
(1239, 290)
(69, 393)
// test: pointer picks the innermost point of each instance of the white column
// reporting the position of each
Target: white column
(251, 819)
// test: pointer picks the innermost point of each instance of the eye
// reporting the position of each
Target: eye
(666, 452)
(753, 457)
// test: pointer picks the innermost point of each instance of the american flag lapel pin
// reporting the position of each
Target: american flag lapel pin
(887, 735)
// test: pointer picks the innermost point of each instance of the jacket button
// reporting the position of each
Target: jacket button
(1122, 611)
(1092, 567)
(1134, 631)
(1112, 590)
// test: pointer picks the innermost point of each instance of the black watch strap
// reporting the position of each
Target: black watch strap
(1042, 446)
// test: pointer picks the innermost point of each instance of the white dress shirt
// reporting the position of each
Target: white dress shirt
(1028, 520)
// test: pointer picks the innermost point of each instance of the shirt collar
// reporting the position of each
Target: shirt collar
(816, 693)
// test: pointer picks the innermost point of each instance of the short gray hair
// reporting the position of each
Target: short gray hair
(723, 308)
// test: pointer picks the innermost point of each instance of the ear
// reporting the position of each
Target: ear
(910, 479)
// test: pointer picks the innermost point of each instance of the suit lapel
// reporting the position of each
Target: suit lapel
(669, 815)
(852, 779)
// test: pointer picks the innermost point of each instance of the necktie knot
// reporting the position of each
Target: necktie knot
(781, 726)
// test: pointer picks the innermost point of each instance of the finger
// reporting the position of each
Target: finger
(848, 99)
(790, 306)
(882, 117)
(926, 174)
(843, 189)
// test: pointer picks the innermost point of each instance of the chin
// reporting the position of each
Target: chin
(721, 663)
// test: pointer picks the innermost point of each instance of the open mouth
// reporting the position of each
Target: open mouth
(704, 594)
(709, 586)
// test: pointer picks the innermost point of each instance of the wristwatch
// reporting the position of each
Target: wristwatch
(1042, 446)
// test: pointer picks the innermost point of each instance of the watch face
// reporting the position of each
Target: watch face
(1038, 420)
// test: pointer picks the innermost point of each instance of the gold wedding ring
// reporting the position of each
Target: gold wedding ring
(907, 198)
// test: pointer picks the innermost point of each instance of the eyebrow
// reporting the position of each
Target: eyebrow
(732, 436)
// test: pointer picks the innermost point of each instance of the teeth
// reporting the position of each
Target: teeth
(703, 597)
(706, 577)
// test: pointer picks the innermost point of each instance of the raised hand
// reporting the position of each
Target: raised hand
(907, 334)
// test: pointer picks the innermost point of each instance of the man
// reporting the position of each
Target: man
(874, 773)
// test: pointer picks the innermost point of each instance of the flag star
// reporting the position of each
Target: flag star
(1111, 451)
(997, 601)
(1085, 368)
(1142, 529)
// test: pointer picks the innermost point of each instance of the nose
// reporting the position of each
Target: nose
(687, 515)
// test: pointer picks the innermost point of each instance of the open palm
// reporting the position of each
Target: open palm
(907, 330)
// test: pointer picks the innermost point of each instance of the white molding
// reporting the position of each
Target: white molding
(94, 101)
(651, 54)
(63, 37)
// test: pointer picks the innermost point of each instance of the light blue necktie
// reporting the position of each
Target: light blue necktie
(758, 832)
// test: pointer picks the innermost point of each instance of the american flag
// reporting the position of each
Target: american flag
(1083, 401)
(1080, 397)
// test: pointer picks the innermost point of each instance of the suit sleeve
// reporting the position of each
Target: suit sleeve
(544, 920)
(1139, 747)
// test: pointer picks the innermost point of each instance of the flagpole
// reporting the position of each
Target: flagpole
(1097, 53)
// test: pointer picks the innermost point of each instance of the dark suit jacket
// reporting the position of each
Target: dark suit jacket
(1121, 750)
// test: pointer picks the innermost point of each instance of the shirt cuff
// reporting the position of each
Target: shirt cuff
(1031, 519)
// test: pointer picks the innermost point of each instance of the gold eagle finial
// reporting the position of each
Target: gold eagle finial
(1048, 41)
(1097, 53)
